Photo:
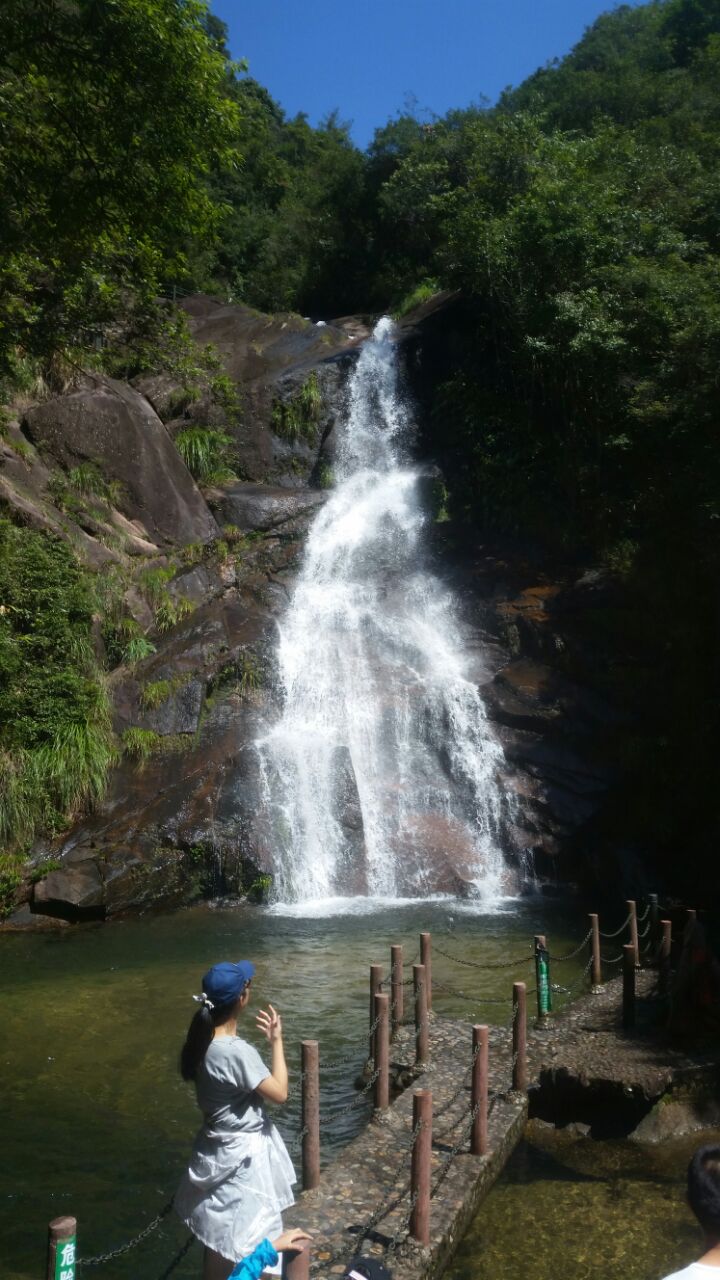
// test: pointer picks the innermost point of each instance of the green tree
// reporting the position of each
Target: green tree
(112, 116)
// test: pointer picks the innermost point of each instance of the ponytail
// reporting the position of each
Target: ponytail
(200, 1034)
(197, 1043)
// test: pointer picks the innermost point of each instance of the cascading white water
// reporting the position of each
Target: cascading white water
(382, 755)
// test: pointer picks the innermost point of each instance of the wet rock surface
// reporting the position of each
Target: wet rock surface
(543, 671)
(262, 507)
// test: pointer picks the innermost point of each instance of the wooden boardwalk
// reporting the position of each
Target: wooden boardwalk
(363, 1201)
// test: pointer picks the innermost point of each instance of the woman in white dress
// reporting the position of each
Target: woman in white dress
(240, 1175)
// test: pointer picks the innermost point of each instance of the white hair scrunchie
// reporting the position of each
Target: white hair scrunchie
(204, 1000)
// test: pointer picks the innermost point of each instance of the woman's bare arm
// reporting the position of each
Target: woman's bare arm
(274, 1088)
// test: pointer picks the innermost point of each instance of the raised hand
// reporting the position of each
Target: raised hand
(270, 1023)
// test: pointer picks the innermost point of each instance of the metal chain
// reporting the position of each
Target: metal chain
(616, 960)
(455, 1150)
(462, 995)
(645, 931)
(178, 1258)
(350, 1106)
(617, 932)
(100, 1258)
(644, 915)
(475, 964)
(568, 991)
(383, 1210)
(572, 954)
(295, 1143)
(402, 1230)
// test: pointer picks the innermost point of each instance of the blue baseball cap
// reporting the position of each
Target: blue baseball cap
(225, 982)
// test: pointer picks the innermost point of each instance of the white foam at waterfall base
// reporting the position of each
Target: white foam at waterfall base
(382, 753)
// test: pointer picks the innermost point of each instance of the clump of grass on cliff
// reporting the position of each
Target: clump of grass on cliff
(56, 742)
(205, 453)
(298, 418)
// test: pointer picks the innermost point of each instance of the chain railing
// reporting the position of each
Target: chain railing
(617, 932)
(476, 964)
(460, 1125)
(111, 1254)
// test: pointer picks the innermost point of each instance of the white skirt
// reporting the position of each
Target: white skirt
(233, 1193)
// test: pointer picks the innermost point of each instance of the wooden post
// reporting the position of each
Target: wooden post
(479, 1094)
(426, 960)
(519, 1038)
(422, 1026)
(296, 1263)
(654, 934)
(62, 1248)
(397, 1002)
(632, 912)
(628, 995)
(310, 1113)
(596, 971)
(376, 977)
(420, 1168)
(664, 959)
(381, 1054)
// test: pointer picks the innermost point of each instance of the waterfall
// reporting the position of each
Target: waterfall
(381, 773)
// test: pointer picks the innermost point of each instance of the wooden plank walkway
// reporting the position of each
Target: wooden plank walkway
(363, 1201)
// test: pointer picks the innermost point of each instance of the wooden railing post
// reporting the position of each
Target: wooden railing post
(376, 977)
(654, 934)
(420, 1167)
(381, 1054)
(628, 994)
(426, 960)
(479, 1093)
(296, 1263)
(310, 1113)
(397, 1001)
(596, 970)
(519, 1038)
(632, 912)
(422, 1026)
(62, 1248)
(664, 957)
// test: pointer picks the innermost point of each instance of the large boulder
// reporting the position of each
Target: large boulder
(262, 507)
(112, 426)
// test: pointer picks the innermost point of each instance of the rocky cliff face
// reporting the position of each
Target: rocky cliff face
(181, 817)
(202, 575)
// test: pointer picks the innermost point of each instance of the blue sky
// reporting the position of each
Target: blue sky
(364, 57)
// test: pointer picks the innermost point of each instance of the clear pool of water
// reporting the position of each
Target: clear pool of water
(576, 1209)
(96, 1121)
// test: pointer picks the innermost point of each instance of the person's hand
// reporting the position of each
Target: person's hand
(270, 1023)
(291, 1239)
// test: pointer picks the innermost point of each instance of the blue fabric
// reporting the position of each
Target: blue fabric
(225, 982)
(251, 1267)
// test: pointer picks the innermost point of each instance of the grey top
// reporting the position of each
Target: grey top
(225, 1087)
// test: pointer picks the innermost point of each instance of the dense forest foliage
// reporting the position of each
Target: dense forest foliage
(580, 218)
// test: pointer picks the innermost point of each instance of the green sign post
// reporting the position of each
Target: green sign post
(542, 978)
(62, 1249)
(65, 1259)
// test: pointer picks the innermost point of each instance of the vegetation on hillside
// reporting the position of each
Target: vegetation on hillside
(580, 218)
(55, 735)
